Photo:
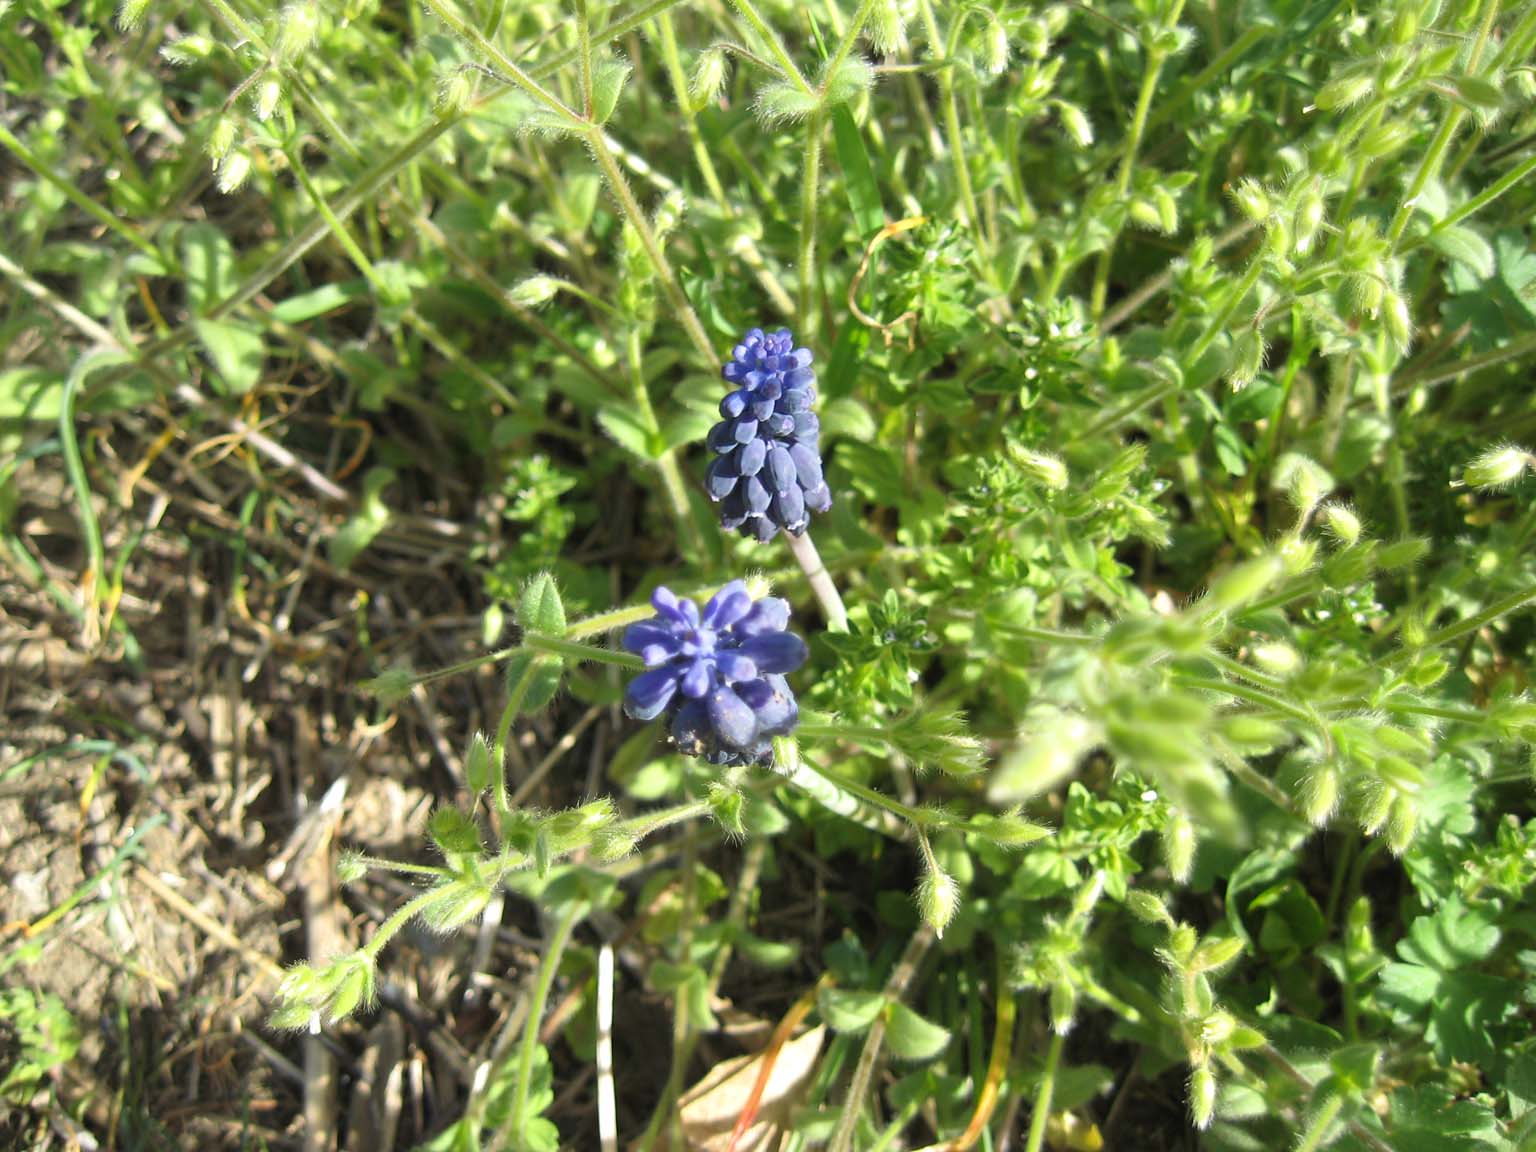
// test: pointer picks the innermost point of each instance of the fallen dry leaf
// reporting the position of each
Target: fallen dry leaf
(710, 1109)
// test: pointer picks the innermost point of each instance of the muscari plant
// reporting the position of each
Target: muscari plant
(1318, 666)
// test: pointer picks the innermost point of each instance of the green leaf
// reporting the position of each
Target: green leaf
(911, 1037)
(848, 1010)
(858, 176)
(236, 349)
(1463, 245)
(540, 609)
(366, 523)
(629, 432)
(454, 833)
(533, 678)
(608, 80)
(320, 301)
(688, 426)
(767, 953)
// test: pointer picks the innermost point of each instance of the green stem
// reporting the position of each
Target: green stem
(1043, 1094)
(76, 197)
(548, 967)
(1511, 603)
(1430, 166)
(666, 463)
(1149, 79)
(952, 132)
(1484, 198)
(1317, 1130)
(1218, 322)
(775, 45)
(581, 653)
(509, 68)
(584, 56)
(618, 184)
(403, 916)
(809, 181)
(916, 817)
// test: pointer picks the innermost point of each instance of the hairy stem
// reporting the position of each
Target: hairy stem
(820, 580)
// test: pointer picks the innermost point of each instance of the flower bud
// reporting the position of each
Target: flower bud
(1202, 1097)
(1276, 658)
(1063, 1007)
(1375, 806)
(535, 291)
(1214, 955)
(268, 93)
(1341, 522)
(233, 170)
(1497, 468)
(1319, 794)
(1344, 91)
(1251, 200)
(1178, 843)
(1040, 467)
(1309, 218)
(708, 79)
(997, 48)
(1398, 320)
(221, 139)
(456, 90)
(130, 13)
(350, 868)
(1147, 908)
(885, 28)
(296, 30)
(1076, 123)
(938, 898)
(1402, 822)
(1247, 359)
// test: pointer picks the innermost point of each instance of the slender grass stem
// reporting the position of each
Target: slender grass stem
(549, 965)
(1043, 1094)
(1149, 78)
(76, 197)
(775, 46)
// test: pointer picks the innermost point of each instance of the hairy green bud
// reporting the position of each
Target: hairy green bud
(938, 899)
(708, 79)
(296, 30)
(1498, 467)
(1202, 1097)
(1341, 522)
(233, 170)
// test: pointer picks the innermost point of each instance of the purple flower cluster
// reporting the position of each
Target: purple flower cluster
(767, 474)
(718, 673)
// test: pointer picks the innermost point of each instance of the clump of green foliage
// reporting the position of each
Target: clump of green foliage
(1174, 366)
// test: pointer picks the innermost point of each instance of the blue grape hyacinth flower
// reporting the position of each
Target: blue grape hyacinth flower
(767, 474)
(719, 673)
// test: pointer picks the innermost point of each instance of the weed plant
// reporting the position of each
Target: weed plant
(1157, 759)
